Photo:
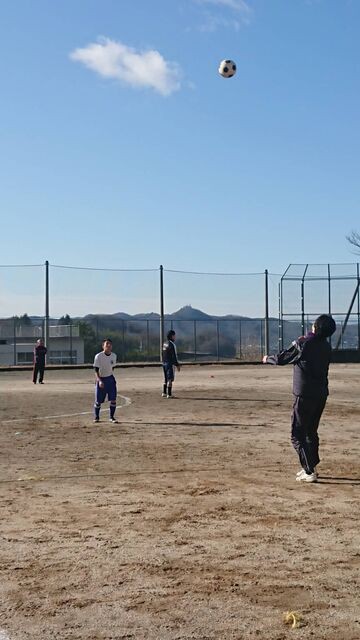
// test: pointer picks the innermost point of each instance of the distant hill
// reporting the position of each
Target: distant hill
(184, 313)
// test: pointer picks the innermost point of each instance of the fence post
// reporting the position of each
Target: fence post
(147, 340)
(240, 345)
(195, 340)
(71, 344)
(162, 330)
(358, 308)
(14, 332)
(217, 341)
(47, 305)
(266, 312)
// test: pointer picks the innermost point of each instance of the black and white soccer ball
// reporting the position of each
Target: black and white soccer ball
(227, 68)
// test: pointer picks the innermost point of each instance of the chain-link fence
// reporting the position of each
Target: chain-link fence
(216, 316)
(308, 290)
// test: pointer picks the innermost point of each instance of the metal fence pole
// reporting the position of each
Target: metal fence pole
(303, 301)
(147, 340)
(240, 345)
(14, 333)
(71, 344)
(162, 321)
(217, 341)
(266, 327)
(47, 302)
(329, 296)
(281, 327)
(358, 307)
(194, 339)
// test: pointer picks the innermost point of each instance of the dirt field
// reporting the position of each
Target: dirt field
(184, 520)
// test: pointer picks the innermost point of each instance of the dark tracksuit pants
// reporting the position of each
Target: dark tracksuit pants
(38, 369)
(304, 429)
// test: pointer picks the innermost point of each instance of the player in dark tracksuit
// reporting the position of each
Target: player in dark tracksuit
(310, 356)
(39, 361)
(169, 360)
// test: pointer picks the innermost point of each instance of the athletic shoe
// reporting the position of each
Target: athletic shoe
(113, 420)
(306, 477)
(302, 471)
(163, 395)
(96, 419)
(171, 396)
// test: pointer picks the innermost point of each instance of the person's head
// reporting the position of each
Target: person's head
(171, 335)
(40, 342)
(107, 345)
(324, 326)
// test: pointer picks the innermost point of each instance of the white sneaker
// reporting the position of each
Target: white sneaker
(113, 420)
(172, 396)
(163, 395)
(306, 477)
(302, 471)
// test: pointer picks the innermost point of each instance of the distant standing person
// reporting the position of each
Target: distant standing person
(170, 361)
(105, 384)
(39, 361)
(310, 356)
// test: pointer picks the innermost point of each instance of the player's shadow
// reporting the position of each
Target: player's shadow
(199, 424)
(338, 480)
(212, 399)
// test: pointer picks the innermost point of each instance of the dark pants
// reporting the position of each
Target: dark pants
(38, 369)
(304, 430)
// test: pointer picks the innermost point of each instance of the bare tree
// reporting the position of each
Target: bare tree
(354, 239)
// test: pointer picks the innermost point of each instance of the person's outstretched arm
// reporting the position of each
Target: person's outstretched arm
(287, 356)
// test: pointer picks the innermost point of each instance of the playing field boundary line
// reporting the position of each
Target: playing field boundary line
(66, 415)
(112, 474)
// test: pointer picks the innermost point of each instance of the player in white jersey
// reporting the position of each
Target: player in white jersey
(105, 385)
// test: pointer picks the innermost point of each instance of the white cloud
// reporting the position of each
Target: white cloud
(233, 14)
(212, 24)
(116, 60)
(237, 5)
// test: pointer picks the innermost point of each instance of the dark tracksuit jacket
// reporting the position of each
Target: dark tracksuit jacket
(39, 362)
(169, 360)
(169, 355)
(311, 358)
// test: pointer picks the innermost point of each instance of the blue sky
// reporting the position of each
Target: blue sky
(122, 147)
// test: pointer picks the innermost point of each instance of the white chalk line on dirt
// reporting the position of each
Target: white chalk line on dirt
(127, 401)
(4, 636)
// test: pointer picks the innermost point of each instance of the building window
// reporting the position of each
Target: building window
(62, 357)
(25, 357)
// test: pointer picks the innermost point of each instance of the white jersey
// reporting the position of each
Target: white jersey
(105, 363)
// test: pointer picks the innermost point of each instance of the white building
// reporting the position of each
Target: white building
(65, 344)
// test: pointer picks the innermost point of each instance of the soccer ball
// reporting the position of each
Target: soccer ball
(227, 68)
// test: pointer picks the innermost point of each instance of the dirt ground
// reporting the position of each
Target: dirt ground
(184, 521)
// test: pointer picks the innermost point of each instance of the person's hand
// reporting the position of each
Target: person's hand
(178, 368)
(101, 384)
(264, 359)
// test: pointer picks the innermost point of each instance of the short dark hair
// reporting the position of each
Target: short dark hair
(106, 340)
(325, 326)
(170, 334)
